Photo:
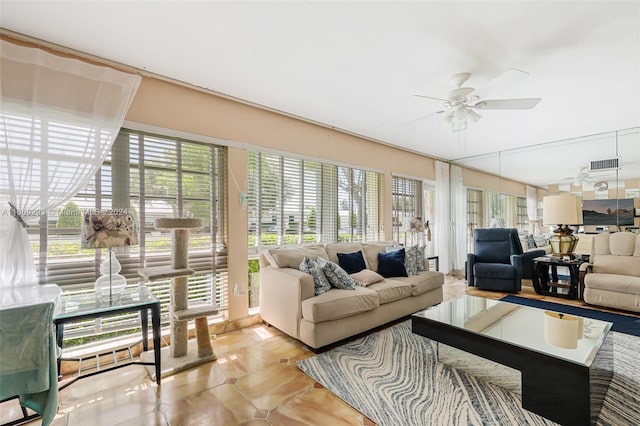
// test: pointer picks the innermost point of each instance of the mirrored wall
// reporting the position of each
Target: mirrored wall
(603, 166)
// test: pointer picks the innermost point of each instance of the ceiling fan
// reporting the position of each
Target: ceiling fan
(462, 103)
(584, 176)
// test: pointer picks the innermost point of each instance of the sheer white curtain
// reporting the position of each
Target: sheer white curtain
(58, 120)
(459, 218)
(442, 230)
(532, 206)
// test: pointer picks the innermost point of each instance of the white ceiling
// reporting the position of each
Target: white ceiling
(356, 65)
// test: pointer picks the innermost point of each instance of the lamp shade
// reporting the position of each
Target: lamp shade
(108, 229)
(562, 209)
(562, 330)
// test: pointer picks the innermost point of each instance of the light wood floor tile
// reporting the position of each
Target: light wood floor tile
(273, 385)
(222, 405)
(315, 407)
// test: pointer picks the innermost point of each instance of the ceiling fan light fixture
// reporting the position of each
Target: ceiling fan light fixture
(460, 112)
(473, 116)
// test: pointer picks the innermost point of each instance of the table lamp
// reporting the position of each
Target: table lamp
(108, 230)
(562, 210)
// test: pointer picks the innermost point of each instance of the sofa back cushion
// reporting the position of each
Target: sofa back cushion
(371, 251)
(617, 253)
(292, 257)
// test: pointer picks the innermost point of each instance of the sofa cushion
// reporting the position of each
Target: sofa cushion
(371, 251)
(366, 277)
(336, 275)
(292, 257)
(611, 264)
(335, 304)
(320, 282)
(352, 262)
(423, 282)
(391, 290)
(391, 264)
(494, 271)
(613, 282)
(334, 248)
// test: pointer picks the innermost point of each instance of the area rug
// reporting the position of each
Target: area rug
(392, 377)
(621, 323)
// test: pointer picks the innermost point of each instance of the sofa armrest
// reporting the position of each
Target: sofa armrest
(282, 291)
(471, 260)
(518, 262)
(583, 270)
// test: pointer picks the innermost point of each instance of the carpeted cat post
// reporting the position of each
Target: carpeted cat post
(180, 312)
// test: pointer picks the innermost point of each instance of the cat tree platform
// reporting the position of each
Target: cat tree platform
(178, 356)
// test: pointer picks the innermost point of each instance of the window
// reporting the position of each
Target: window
(294, 201)
(501, 210)
(407, 203)
(474, 215)
(522, 218)
(152, 176)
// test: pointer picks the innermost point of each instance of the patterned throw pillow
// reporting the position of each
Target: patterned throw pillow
(531, 243)
(320, 282)
(411, 260)
(337, 276)
(420, 258)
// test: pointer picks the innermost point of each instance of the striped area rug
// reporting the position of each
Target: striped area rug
(391, 376)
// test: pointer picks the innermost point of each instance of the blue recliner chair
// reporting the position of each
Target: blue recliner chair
(499, 262)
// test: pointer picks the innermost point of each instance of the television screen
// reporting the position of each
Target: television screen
(608, 212)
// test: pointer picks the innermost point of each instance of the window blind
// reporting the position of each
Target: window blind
(153, 176)
(293, 201)
(407, 203)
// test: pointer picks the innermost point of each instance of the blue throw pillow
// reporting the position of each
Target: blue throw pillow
(391, 264)
(320, 282)
(352, 262)
(336, 275)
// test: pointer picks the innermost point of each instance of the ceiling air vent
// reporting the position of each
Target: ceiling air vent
(605, 164)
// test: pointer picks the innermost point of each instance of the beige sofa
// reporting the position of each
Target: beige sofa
(612, 276)
(287, 299)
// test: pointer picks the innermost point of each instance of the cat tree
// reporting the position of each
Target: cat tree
(179, 311)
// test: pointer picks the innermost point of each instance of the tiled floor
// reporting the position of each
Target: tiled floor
(253, 382)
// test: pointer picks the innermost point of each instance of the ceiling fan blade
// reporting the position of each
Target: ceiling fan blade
(419, 118)
(431, 97)
(523, 103)
(506, 79)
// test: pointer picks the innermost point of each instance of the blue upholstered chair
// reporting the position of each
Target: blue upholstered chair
(499, 262)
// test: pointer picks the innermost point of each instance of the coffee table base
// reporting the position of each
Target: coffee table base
(557, 389)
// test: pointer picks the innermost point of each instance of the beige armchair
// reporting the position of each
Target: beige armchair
(612, 276)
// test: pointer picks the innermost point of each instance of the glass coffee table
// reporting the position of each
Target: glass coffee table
(565, 362)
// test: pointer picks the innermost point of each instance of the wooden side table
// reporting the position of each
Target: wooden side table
(548, 265)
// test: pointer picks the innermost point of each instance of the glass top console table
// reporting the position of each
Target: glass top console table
(75, 307)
